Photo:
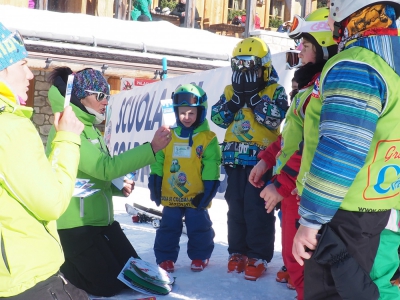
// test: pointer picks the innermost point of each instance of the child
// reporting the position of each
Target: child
(318, 47)
(251, 109)
(185, 179)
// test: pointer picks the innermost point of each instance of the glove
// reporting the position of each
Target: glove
(237, 101)
(202, 200)
(252, 86)
(154, 185)
(344, 268)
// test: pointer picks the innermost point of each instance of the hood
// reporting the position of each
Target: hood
(56, 99)
(9, 102)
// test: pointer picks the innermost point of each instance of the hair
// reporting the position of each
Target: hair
(143, 18)
(62, 72)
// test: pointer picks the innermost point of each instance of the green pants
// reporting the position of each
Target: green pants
(385, 265)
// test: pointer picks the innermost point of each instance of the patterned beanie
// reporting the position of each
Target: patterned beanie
(11, 50)
(89, 79)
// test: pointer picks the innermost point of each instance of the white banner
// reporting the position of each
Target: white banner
(133, 116)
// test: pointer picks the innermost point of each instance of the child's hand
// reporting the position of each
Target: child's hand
(257, 172)
(271, 197)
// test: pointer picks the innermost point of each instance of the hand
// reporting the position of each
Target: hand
(238, 88)
(305, 238)
(253, 84)
(203, 200)
(183, 14)
(257, 172)
(161, 138)
(271, 197)
(67, 121)
(295, 192)
(129, 186)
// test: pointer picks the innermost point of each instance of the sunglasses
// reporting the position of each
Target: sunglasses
(188, 99)
(17, 37)
(300, 26)
(100, 96)
(292, 59)
(245, 62)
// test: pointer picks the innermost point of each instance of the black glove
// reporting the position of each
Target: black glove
(252, 86)
(154, 185)
(237, 101)
(202, 200)
(344, 268)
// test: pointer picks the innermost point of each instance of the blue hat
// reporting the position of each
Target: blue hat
(89, 79)
(12, 48)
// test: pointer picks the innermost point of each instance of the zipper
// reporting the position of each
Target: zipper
(3, 254)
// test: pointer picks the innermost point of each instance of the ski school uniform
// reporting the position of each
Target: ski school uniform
(184, 169)
(357, 207)
(286, 156)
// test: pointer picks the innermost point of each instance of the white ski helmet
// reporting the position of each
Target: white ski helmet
(341, 9)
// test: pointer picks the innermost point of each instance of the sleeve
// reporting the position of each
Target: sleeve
(211, 161)
(285, 181)
(102, 166)
(269, 154)
(353, 97)
(43, 185)
(271, 113)
(156, 168)
(175, 12)
(221, 115)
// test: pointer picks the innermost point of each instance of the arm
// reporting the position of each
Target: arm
(269, 154)
(272, 112)
(349, 102)
(44, 186)
(101, 165)
(211, 162)
(223, 112)
(155, 178)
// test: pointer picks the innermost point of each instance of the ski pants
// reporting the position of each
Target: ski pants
(94, 256)
(360, 232)
(290, 224)
(55, 287)
(251, 230)
(386, 264)
(199, 231)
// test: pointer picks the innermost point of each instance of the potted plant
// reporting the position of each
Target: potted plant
(275, 22)
(234, 13)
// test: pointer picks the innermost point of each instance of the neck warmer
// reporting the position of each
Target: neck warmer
(378, 19)
(187, 132)
(99, 117)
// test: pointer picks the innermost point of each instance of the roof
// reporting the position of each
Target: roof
(84, 37)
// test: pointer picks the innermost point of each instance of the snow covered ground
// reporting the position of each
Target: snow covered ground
(214, 282)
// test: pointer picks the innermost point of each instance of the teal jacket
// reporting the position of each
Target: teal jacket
(141, 7)
(99, 167)
(34, 192)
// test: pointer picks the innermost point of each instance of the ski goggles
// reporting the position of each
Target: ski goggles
(292, 59)
(245, 62)
(299, 26)
(100, 96)
(17, 37)
(187, 99)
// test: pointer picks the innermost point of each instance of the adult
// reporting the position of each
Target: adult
(251, 109)
(349, 174)
(141, 7)
(34, 191)
(96, 249)
(180, 11)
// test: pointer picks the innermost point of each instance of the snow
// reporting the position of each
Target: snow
(212, 283)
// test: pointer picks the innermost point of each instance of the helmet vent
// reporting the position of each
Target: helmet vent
(250, 49)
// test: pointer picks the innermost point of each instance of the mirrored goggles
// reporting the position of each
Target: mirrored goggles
(17, 38)
(100, 96)
(245, 62)
(299, 26)
(292, 59)
(186, 99)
